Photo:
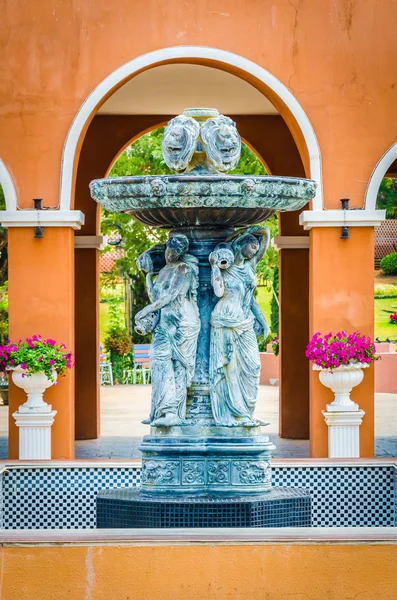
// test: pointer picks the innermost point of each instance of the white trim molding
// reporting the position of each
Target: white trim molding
(341, 218)
(82, 242)
(42, 218)
(8, 186)
(377, 175)
(291, 242)
(175, 53)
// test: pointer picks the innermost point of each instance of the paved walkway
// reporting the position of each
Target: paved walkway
(123, 407)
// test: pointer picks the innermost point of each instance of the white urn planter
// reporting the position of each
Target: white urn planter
(35, 417)
(341, 381)
(343, 416)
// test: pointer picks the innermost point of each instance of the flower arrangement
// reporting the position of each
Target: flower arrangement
(393, 318)
(35, 355)
(334, 350)
(276, 346)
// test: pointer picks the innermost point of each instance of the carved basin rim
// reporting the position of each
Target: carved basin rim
(127, 194)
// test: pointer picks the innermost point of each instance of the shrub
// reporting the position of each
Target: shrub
(385, 291)
(118, 340)
(388, 264)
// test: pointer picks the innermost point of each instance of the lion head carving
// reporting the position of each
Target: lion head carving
(222, 142)
(179, 142)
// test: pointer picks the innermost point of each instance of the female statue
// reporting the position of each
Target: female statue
(174, 319)
(235, 321)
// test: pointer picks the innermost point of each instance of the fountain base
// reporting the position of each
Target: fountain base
(131, 508)
(206, 459)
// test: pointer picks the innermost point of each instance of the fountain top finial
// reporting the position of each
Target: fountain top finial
(201, 141)
(200, 113)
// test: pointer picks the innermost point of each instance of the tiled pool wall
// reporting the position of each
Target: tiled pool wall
(64, 497)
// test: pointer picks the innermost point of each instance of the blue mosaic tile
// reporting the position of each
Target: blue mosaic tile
(65, 498)
(345, 496)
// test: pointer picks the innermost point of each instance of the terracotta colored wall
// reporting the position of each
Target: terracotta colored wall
(334, 56)
(87, 407)
(294, 336)
(269, 368)
(341, 297)
(41, 301)
(221, 572)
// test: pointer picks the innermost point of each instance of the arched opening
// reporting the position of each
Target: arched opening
(268, 85)
(263, 128)
(382, 194)
(8, 201)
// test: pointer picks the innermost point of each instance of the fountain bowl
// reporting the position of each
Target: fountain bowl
(202, 200)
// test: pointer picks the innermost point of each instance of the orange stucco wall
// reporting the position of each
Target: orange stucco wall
(41, 301)
(341, 297)
(334, 56)
(206, 572)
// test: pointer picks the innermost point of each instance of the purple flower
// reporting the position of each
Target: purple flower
(52, 362)
(50, 342)
(23, 366)
(40, 359)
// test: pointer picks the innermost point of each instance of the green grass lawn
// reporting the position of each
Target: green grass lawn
(104, 319)
(264, 296)
(383, 308)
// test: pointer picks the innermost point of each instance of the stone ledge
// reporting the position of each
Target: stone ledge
(222, 536)
(340, 218)
(42, 218)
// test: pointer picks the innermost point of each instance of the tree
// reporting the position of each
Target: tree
(144, 157)
(387, 197)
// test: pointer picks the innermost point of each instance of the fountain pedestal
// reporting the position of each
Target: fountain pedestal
(198, 471)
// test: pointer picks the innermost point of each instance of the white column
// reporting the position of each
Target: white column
(34, 433)
(343, 432)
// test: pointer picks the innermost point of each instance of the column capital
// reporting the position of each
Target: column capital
(90, 241)
(42, 218)
(291, 242)
(354, 217)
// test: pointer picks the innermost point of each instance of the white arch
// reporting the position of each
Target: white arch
(174, 53)
(377, 175)
(8, 186)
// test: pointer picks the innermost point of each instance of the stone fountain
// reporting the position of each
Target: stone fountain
(206, 461)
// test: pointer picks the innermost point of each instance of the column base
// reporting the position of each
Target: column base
(34, 434)
(343, 433)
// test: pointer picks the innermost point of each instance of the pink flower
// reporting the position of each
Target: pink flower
(52, 362)
(40, 359)
(23, 366)
(50, 342)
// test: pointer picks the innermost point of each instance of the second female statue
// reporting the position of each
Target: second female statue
(235, 322)
(173, 318)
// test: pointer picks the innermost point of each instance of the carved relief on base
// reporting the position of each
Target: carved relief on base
(164, 472)
(220, 473)
(251, 472)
